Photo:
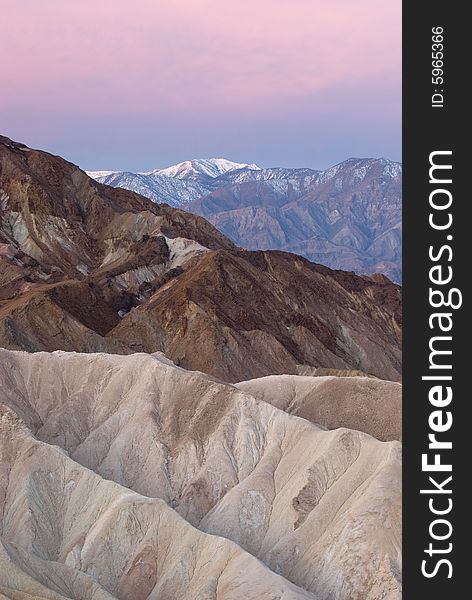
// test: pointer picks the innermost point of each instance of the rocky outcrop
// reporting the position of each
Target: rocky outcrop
(259, 313)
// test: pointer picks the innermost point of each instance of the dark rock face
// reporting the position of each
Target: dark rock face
(261, 312)
(87, 267)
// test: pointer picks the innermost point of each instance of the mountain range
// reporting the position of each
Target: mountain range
(87, 267)
(181, 417)
(346, 217)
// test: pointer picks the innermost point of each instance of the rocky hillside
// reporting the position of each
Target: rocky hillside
(365, 404)
(87, 267)
(346, 217)
(115, 470)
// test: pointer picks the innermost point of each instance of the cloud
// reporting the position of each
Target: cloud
(201, 59)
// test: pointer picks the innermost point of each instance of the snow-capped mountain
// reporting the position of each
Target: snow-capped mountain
(210, 167)
(347, 216)
(178, 184)
(174, 191)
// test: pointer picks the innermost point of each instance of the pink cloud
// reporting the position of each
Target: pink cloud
(251, 56)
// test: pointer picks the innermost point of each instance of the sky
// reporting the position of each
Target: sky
(141, 84)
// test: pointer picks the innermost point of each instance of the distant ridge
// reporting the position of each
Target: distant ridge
(348, 216)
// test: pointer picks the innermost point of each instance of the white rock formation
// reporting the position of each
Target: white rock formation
(321, 508)
(68, 533)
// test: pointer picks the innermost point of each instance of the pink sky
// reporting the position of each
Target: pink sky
(82, 71)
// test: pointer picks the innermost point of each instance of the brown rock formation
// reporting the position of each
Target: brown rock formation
(266, 312)
(87, 267)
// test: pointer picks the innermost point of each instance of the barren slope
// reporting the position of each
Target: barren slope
(67, 533)
(75, 255)
(322, 508)
(360, 403)
(239, 315)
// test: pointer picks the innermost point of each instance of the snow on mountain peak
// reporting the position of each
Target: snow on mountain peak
(393, 169)
(211, 167)
(97, 174)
